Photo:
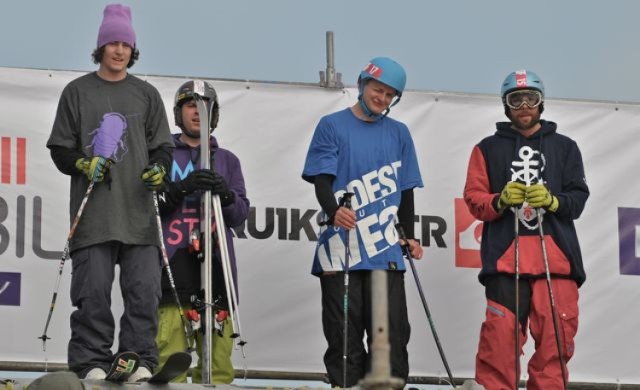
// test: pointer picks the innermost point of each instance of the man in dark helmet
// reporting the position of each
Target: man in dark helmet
(524, 181)
(361, 150)
(111, 132)
(180, 211)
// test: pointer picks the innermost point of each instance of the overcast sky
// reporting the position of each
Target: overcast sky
(582, 49)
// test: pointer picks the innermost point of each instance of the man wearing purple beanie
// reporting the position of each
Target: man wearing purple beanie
(112, 137)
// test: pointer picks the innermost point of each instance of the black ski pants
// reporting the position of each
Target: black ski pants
(92, 323)
(359, 312)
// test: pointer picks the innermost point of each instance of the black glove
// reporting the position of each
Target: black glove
(201, 179)
(221, 189)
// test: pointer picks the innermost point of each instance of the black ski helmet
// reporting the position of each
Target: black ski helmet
(187, 92)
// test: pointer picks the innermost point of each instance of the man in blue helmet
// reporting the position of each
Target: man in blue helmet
(361, 150)
(524, 178)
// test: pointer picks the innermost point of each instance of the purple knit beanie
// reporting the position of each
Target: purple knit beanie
(116, 26)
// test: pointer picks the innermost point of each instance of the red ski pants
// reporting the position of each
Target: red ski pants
(495, 360)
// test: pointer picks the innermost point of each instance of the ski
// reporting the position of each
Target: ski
(176, 364)
(205, 228)
(124, 364)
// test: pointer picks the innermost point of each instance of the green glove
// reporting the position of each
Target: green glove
(539, 196)
(512, 195)
(153, 177)
(94, 167)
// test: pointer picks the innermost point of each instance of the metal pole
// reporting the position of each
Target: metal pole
(65, 256)
(379, 378)
(186, 325)
(331, 70)
(516, 243)
(554, 314)
(407, 253)
(346, 199)
(328, 77)
(232, 300)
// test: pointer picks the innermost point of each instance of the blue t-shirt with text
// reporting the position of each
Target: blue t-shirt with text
(376, 161)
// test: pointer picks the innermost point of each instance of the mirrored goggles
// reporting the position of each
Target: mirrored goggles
(517, 99)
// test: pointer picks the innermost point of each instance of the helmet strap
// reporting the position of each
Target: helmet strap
(395, 102)
(370, 114)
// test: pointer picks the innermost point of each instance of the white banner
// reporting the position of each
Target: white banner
(269, 127)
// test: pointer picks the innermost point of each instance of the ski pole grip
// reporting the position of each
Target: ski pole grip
(346, 199)
(403, 236)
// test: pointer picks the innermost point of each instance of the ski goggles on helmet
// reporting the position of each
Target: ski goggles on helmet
(516, 99)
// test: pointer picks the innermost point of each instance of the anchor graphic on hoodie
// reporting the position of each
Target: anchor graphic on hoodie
(528, 171)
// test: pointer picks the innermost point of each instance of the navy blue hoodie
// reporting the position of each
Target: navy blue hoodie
(545, 157)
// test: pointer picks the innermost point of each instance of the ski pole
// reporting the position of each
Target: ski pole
(65, 256)
(516, 244)
(407, 252)
(232, 301)
(186, 325)
(551, 300)
(346, 201)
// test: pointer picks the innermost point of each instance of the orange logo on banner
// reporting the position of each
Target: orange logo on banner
(468, 235)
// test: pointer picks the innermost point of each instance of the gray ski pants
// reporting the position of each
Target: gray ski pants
(92, 323)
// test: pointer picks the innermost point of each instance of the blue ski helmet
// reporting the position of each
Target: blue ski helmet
(521, 79)
(386, 71)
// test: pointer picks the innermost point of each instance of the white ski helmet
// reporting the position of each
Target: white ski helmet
(187, 91)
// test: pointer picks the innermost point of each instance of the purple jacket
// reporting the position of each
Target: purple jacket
(181, 215)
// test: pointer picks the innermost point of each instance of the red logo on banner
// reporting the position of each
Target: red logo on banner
(9, 163)
(373, 70)
(521, 79)
(468, 235)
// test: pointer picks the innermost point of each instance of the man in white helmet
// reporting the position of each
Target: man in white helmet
(524, 172)
(361, 150)
(180, 210)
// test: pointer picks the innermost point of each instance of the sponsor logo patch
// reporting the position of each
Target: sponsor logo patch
(10, 288)
(629, 240)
